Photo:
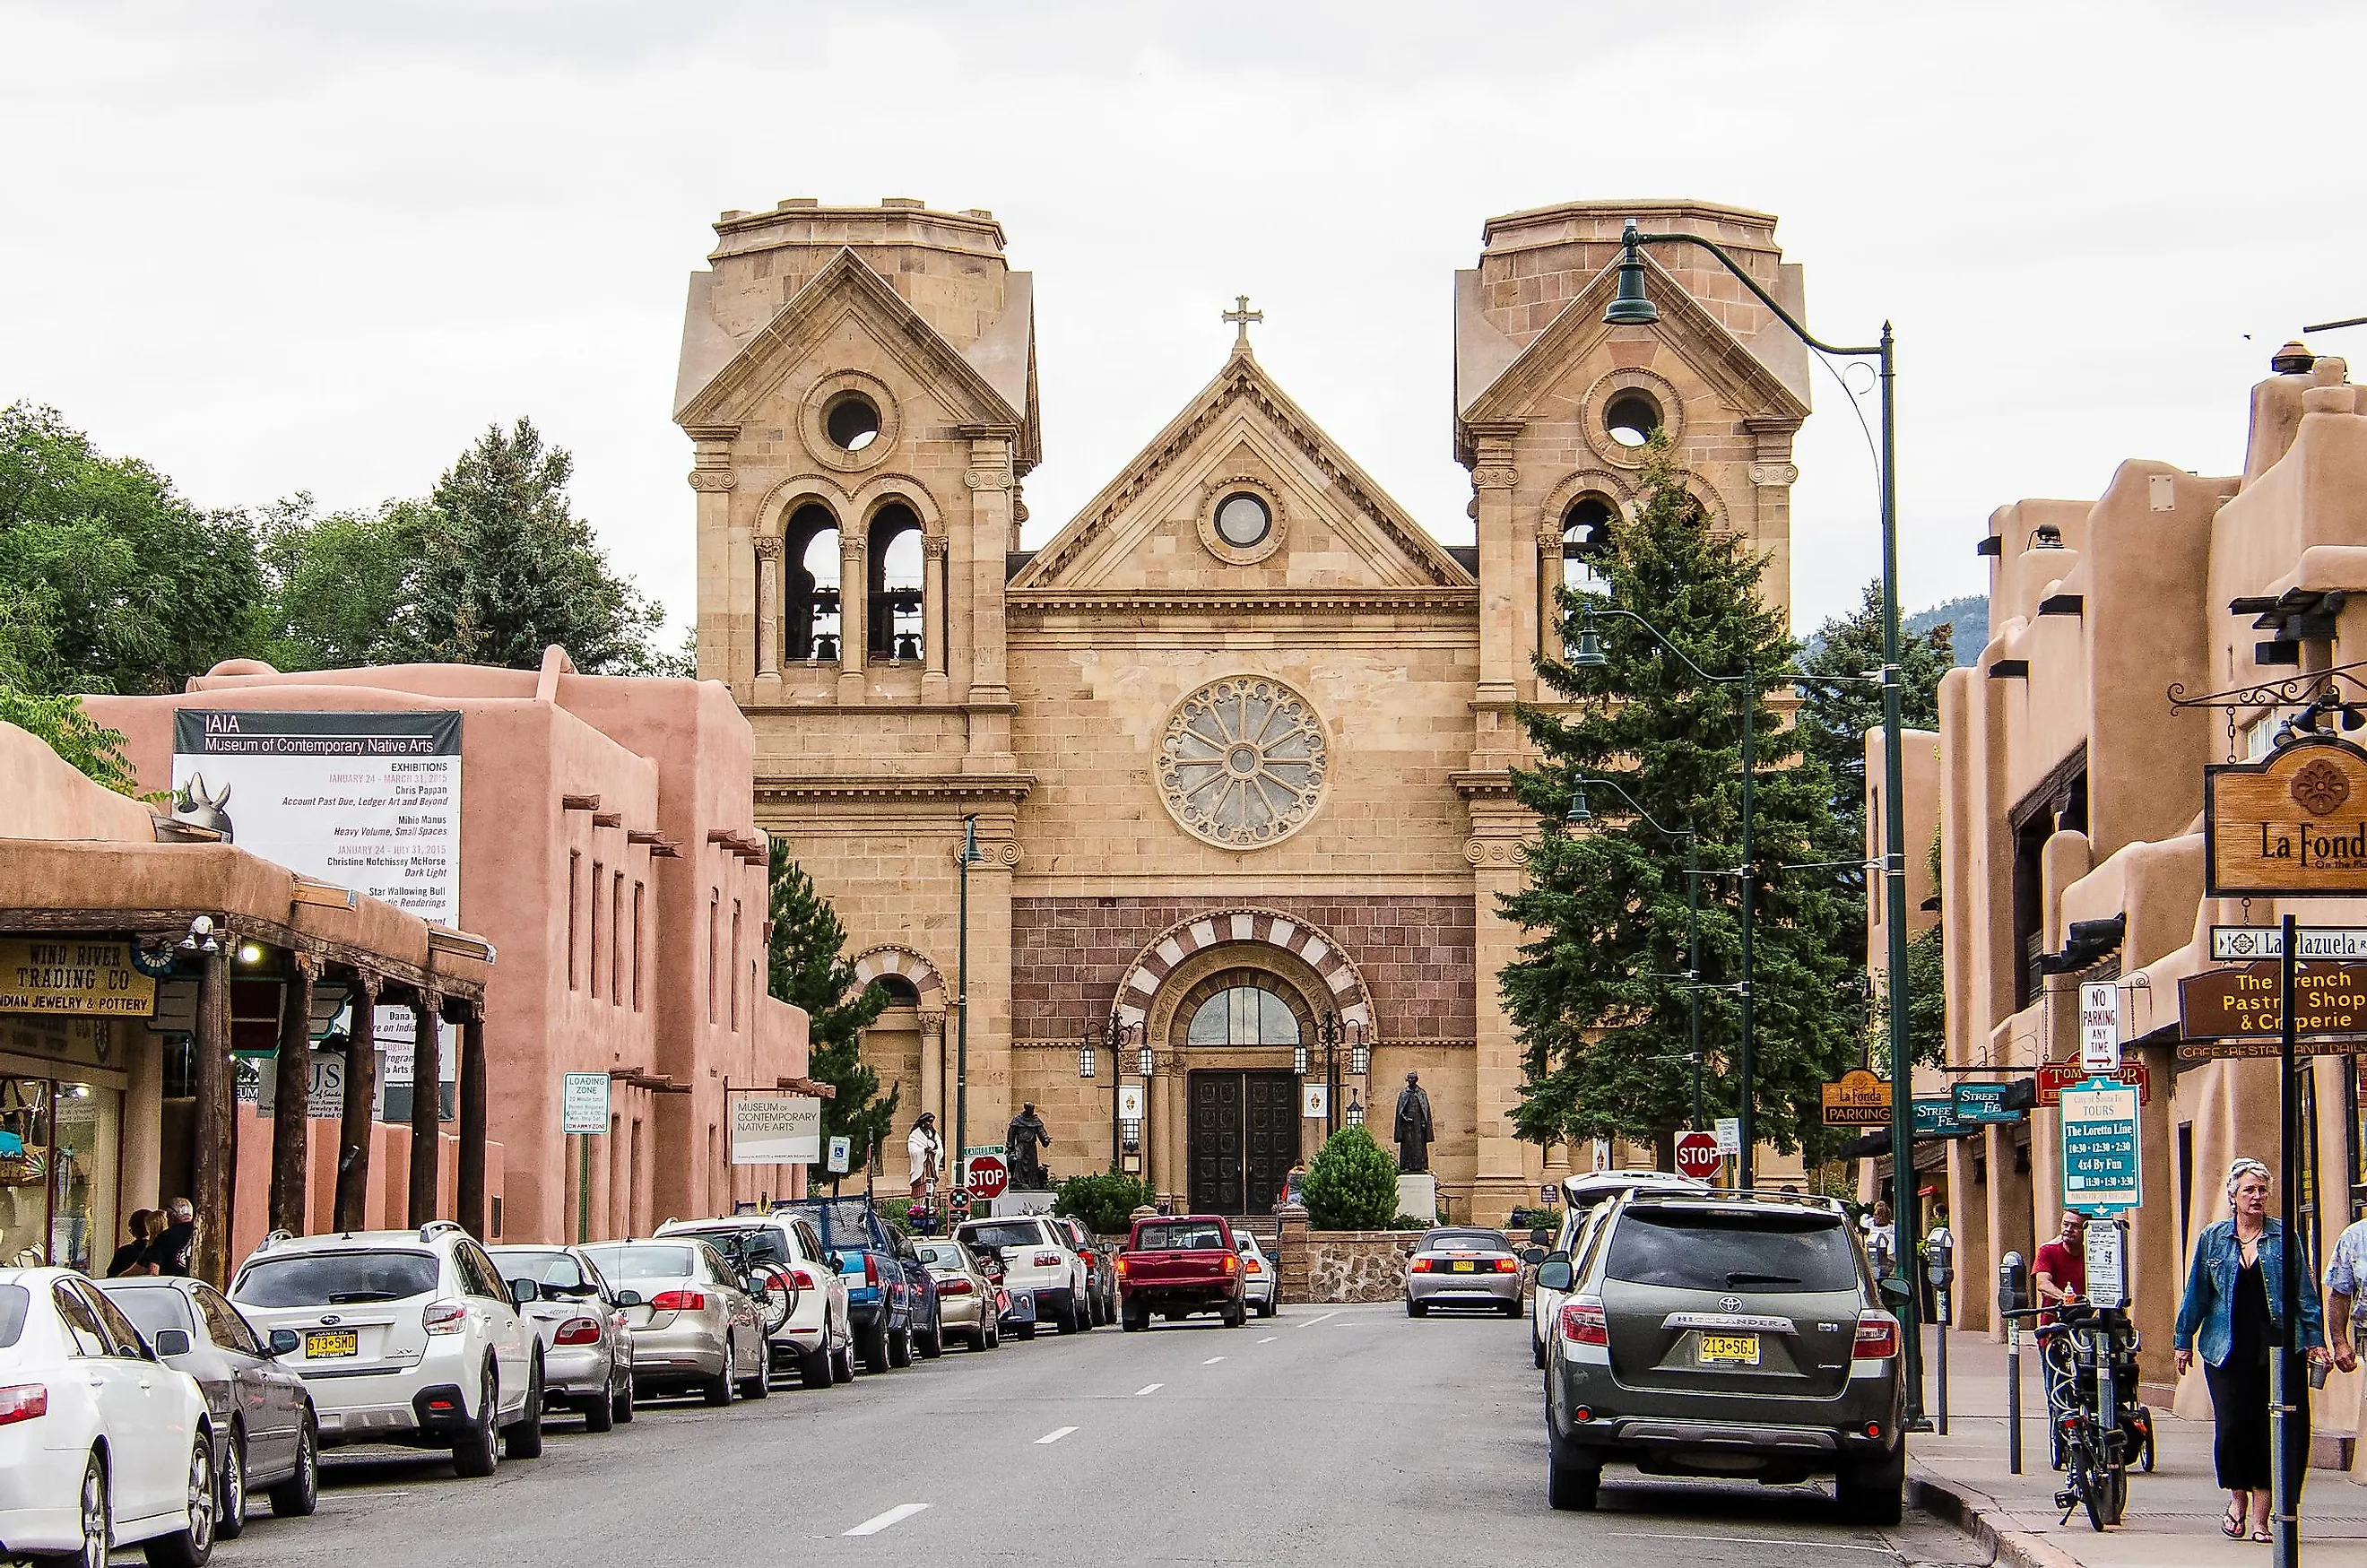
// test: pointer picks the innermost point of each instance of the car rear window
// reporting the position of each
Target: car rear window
(1719, 1250)
(1014, 1233)
(15, 1302)
(1464, 1241)
(641, 1261)
(757, 1244)
(943, 1254)
(1180, 1238)
(554, 1270)
(153, 1307)
(331, 1278)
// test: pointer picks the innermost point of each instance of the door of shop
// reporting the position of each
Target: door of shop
(1244, 1139)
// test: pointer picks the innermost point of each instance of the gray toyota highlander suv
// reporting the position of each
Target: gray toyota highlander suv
(1724, 1334)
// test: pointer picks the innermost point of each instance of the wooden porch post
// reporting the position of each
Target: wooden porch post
(355, 1128)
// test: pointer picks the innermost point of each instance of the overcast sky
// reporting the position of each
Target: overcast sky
(304, 246)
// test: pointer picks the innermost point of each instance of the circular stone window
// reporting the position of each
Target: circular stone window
(1242, 762)
(1243, 520)
(1631, 417)
(851, 421)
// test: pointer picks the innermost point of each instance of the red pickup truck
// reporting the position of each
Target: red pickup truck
(1177, 1267)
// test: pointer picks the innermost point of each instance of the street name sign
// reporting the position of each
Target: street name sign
(2100, 1169)
(583, 1104)
(1980, 1104)
(2293, 822)
(2241, 944)
(2099, 1027)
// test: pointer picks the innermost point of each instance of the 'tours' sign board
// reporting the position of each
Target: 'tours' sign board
(2293, 822)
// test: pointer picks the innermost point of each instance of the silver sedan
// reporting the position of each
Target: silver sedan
(1463, 1269)
(587, 1351)
(694, 1328)
(965, 1293)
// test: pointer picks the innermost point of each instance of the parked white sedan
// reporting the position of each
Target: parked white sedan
(1258, 1281)
(99, 1440)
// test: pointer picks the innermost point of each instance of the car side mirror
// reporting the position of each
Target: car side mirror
(1553, 1274)
(525, 1291)
(628, 1298)
(170, 1342)
(284, 1341)
(1533, 1256)
(837, 1265)
(1541, 1237)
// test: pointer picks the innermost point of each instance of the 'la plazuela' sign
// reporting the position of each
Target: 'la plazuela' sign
(2293, 822)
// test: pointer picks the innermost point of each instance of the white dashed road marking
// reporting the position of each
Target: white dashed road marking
(1313, 1320)
(1212, 1361)
(1268, 1340)
(1054, 1435)
(895, 1516)
(1149, 1388)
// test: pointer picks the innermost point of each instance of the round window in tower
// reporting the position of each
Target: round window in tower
(1243, 520)
(852, 422)
(1242, 762)
(1631, 418)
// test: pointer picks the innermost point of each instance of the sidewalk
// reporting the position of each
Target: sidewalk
(2173, 1514)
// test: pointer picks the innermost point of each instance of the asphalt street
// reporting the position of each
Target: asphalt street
(1320, 1437)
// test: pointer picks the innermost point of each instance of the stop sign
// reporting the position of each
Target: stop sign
(989, 1177)
(1697, 1155)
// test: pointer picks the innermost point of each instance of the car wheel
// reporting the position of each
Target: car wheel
(1267, 1308)
(1872, 1493)
(600, 1411)
(1235, 1315)
(1025, 1330)
(930, 1345)
(899, 1347)
(296, 1496)
(477, 1451)
(1417, 1309)
(813, 1367)
(522, 1438)
(620, 1403)
(842, 1363)
(875, 1348)
(192, 1546)
(719, 1389)
(1512, 1309)
(229, 1489)
(97, 1530)
(1572, 1488)
(760, 1385)
(1536, 1350)
(1133, 1319)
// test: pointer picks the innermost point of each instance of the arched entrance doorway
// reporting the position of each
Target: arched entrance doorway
(1241, 1122)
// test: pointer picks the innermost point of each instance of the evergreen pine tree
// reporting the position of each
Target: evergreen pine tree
(1597, 994)
(807, 966)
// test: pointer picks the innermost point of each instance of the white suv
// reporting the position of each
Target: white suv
(1037, 1258)
(404, 1337)
(819, 1335)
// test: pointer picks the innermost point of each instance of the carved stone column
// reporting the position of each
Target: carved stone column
(933, 1074)
(1772, 475)
(854, 614)
(992, 530)
(1549, 568)
(1507, 575)
(768, 607)
(727, 590)
(936, 623)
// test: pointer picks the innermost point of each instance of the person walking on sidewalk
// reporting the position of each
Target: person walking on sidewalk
(2234, 1306)
(2346, 1281)
(2060, 1273)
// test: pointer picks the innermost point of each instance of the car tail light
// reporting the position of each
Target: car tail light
(870, 1269)
(23, 1402)
(578, 1331)
(1877, 1336)
(1047, 1260)
(1508, 1266)
(1232, 1263)
(1583, 1323)
(1123, 1268)
(679, 1301)
(803, 1280)
(1422, 1265)
(955, 1288)
(444, 1317)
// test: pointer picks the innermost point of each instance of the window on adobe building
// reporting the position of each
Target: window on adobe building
(1586, 543)
(1631, 417)
(615, 940)
(733, 959)
(574, 875)
(810, 609)
(714, 923)
(599, 875)
(897, 614)
(637, 946)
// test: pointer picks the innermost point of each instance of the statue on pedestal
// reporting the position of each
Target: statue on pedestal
(1020, 1140)
(1414, 1131)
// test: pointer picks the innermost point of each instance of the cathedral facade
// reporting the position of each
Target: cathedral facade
(1230, 748)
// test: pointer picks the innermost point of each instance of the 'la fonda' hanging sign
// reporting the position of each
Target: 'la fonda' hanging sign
(2294, 822)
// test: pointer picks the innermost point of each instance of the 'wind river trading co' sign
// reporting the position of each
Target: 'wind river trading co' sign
(2293, 822)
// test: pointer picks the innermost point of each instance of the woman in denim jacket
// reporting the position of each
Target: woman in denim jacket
(2235, 1301)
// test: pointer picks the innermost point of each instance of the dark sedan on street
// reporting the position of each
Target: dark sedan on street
(265, 1433)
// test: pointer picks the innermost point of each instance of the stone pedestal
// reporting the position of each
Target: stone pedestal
(1418, 1196)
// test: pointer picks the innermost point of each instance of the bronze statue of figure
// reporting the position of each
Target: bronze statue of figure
(1020, 1140)
(1414, 1131)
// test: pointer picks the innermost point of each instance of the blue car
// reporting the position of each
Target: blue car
(890, 1312)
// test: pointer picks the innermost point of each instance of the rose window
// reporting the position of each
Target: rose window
(1242, 762)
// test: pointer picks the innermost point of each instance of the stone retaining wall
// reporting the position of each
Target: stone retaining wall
(1345, 1266)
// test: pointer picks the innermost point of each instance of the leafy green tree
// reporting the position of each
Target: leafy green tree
(1105, 1201)
(73, 735)
(807, 966)
(509, 569)
(109, 580)
(1837, 707)
(1597, 994)
(1352, 1183)
(338, 586)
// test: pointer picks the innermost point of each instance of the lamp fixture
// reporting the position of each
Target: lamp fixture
(1360, 1059)
(1589, 647)
(1632, 306)
(1355, 1112)
(1142, 1062)
(201, 936)
(1299, 1059)
(1085, 1059)
(1578, 815)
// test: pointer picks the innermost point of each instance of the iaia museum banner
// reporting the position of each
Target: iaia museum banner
(370, 801)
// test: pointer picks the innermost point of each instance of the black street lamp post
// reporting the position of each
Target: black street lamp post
(1632, 307)
(1578, 816)
(1331, 1032)
(1113, 1035)
(1590, 656)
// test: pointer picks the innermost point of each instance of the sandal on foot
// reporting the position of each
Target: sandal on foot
(2230, 1526)
(2262, 1537)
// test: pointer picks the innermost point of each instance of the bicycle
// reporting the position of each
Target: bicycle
(2090, 1354)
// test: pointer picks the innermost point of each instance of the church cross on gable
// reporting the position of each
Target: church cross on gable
(1231, 741)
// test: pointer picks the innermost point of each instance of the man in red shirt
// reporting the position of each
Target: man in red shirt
(2061, 1271)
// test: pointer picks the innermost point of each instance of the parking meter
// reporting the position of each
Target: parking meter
(2013, 1283)
(2013, 1296)
(1940, 1268)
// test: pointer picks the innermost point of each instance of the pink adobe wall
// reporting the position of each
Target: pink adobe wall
(678, 764)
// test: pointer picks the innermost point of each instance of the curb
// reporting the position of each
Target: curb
(1969, 1512)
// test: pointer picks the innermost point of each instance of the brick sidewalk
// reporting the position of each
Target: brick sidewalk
(2173, 1514)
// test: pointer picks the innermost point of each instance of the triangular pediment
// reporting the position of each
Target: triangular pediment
(845, 296)
(1576, 336)
(1150, 527)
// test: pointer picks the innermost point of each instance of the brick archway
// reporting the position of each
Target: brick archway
(907, 965)
(1310, 944)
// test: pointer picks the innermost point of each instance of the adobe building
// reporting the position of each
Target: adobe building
(607, 852)
(128, 942)
(1236, 737)
(2179, 621)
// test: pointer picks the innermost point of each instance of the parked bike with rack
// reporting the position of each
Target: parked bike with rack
(2096, 1425)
